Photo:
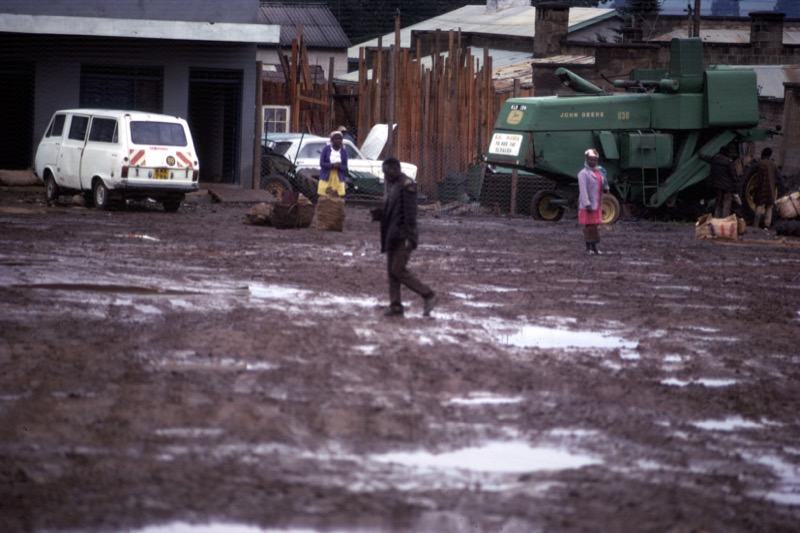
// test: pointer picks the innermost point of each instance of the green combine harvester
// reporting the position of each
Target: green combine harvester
(648, 137)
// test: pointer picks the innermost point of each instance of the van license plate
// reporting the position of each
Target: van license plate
(161, 174)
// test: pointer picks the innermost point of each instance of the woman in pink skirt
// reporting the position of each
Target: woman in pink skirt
(591, 184)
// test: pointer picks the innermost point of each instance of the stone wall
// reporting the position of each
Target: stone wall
(789, 155)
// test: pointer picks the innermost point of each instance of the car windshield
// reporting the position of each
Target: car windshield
(158, 133)
(280, 147)
(311, 150)
(351, 152)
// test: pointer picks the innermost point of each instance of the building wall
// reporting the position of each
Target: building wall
(57, 60)
(789, 155)
(241, 11)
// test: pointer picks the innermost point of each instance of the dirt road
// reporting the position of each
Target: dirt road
(160, 369)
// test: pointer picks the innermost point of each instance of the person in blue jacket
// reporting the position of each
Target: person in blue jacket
(333, 167)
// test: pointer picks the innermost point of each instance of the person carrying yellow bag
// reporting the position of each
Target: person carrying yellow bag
(333, 167)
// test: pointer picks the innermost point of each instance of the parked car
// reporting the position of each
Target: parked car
(303, 153)
(111, 156)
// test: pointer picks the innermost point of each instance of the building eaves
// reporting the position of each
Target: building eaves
(320, 27)
(140, 29)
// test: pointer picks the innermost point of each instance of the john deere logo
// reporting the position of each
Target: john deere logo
(514, 117)
(170, 160)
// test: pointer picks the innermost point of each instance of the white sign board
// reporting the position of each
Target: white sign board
(505, 144)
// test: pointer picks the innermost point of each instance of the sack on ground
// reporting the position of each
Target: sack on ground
(293, 211)
(708, 227)
(285, 216)
(330, 214)
(788, 206)
(305, 212)
(259, 214)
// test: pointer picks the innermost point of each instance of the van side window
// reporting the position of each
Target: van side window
(77, 129)
(104, 130)
(57, 126)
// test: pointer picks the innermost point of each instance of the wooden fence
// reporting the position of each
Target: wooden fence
(444, 104)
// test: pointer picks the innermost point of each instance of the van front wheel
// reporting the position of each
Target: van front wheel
(51, 190)
(100, 195)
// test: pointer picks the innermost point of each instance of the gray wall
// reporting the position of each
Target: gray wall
(58, 59)
(242, 11)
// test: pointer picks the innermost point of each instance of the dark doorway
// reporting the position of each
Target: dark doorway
(215, 118)
(134, 88)
(17, 81)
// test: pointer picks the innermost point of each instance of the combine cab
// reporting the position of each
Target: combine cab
(648, 137)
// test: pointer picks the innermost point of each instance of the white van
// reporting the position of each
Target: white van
(112, 155)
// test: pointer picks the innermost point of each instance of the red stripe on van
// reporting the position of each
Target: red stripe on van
(184, 158)
(137, 156)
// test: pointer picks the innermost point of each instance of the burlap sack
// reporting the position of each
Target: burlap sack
(305, 213)
(259, 214)
(708, 227)
(330, 214)
(285, 216)
(786, 208)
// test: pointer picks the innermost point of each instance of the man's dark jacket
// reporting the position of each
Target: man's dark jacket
(399, 215)
(723, 172)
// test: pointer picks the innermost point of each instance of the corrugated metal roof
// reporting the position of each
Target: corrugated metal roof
(320, 27)
(770, 78)
(181, 30)
(566, 60)
(719, 35)
(274, 74)
(514, 21)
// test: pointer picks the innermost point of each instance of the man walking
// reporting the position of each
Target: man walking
(398, 219)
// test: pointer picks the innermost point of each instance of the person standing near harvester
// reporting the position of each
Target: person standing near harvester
(591, 184)
(399, 237)
(764, 187)
(724, 180)
(333, 167)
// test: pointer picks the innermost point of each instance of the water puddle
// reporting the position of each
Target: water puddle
(492, 457)
(367, 349)
(190, 360)
(731, 423)
(279, 292)
(788, 474)
(215, 527)
(483, 398)
(543, 337)
(711, 383)
(190, 433)
(137, 236)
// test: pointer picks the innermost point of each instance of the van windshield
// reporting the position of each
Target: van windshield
(158, 133)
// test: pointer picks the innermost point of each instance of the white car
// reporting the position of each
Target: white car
(111, 155)
(304, 151)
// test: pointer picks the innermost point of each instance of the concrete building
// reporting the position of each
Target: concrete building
(197, 61)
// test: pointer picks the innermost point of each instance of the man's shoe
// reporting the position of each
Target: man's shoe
(429, 304)
(393, 311)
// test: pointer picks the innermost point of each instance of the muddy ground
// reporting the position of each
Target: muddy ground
(166, 371)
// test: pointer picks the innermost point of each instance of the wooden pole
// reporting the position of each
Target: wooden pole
(330, 122)
(259, 125)
(514, 173)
